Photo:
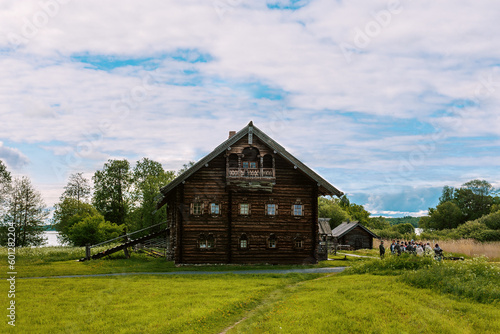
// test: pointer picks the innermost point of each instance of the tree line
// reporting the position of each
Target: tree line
(469, 211)
(123, 198)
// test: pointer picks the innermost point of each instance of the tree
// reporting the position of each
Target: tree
(5, 182)
(447, 195)
(446, 215)
(93, 230)
(111, 190)
(78, 188)
(69, 212)
(26, 213)
(185, 167)
(148, 177)
(405, 228)
(330, 208)
(379, 223)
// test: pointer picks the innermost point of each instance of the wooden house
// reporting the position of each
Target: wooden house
(354, 234)
(248, 201)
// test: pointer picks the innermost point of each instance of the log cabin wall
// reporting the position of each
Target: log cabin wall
(358, 238)
(205, 237)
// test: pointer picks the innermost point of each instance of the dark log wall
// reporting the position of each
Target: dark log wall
(208, 185)
(358, 238)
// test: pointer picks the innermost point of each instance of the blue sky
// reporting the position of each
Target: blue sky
(388, 100)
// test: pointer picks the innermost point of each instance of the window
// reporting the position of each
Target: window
(245, 164)
(197, 208)
(214, 209)
(271, 209)
(243, 241)
(206, 241)
(202, 241)
(298, 243)
(253, 164)
(244, 209)
(297, 209)
(271, 242)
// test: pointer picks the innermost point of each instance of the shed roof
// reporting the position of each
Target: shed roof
(324, 187)
(324, 226)
(346, 227)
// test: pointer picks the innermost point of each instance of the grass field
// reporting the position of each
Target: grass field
(405, 294)
(61, 261)
(368, 304)
(139, 304)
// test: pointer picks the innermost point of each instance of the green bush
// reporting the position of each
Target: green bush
(492, 221)
(488, 235)
(92, 230)
(391, 265)
(475, 279)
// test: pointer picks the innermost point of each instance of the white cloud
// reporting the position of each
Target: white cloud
(334, 114)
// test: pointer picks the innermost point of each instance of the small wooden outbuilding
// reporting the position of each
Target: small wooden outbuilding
(324, 237)
(354, 234)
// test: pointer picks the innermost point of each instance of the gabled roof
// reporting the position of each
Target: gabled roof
(346, 227)
(324, 226)
(325, 188)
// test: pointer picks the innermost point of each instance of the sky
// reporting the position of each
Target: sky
(389, 101)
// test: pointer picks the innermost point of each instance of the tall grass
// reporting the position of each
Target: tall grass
(472, 248)
(468, 247)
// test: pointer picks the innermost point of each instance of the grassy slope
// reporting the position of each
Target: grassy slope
(369, 304)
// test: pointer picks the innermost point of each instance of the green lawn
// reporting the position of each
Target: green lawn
(369, 304)
(61, 261)
(400, 294)
(139, 304)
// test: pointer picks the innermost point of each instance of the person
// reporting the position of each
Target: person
(438, 253)
(427, 249)
(393, 247)
(398, 248)
(381, 249)
(419, 250)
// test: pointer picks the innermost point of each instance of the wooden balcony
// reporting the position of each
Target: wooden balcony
(251, 173)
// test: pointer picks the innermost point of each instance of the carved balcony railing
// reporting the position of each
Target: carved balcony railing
(256, 173)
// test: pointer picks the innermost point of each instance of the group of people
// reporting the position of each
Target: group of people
(412, 247)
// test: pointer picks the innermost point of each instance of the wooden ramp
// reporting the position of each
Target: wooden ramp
(125, 245)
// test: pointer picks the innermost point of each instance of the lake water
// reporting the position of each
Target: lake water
(52, 238)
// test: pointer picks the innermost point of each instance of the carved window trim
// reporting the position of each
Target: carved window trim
(197, 208)
(244, 209)
(272, 242)
(215, 209)
(298, 242)
(206, 242)
(243, 243)
(297, 209)
(271, 209)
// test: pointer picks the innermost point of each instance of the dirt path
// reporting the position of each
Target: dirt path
(271, 299)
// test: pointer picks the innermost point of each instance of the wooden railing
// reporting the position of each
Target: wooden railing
(251, 172)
